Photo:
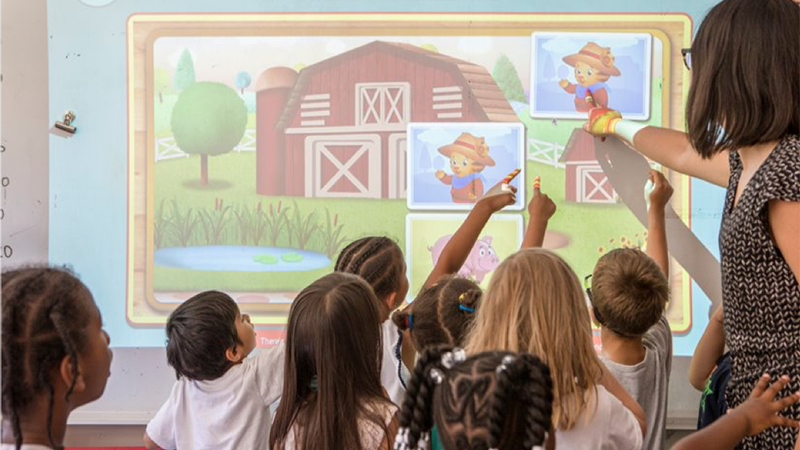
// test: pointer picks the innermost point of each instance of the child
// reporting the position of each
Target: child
(380, 262)
(55, 355)
(442, 313)
(333, 398)
(594, 65)
(469, 155)
(497, 400)
(535, 304)
(628, 294)
(221, 399)
(759, 412)
(710, 371)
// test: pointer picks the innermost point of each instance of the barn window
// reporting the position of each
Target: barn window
(383, 103)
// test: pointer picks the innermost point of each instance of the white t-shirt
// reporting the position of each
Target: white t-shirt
(229, 413)
(390, 378)
(605, 425)
(648, 381)
(371, 434)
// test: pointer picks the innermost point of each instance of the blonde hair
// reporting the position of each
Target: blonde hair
(535, 304)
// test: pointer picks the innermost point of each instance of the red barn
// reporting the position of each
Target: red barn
(340, 131)
(585, 181)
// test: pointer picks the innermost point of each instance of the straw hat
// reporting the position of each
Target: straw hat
(598, 57)
(472, 147)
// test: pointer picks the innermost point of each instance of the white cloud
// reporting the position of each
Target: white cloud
(335, 47)
(476, 44)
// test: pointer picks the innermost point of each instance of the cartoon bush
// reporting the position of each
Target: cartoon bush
(208, 119)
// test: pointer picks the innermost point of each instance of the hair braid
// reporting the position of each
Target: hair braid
(416, 415)
(44, 316)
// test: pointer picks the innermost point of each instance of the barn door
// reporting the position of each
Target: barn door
(343, 166)
(398, 155)
(595, 187)
(383, 104)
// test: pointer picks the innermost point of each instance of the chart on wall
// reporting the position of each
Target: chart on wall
(260, 145)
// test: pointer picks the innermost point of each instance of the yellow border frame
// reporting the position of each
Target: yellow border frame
(380, 24)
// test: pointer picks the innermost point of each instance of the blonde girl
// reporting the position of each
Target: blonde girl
(535, 304)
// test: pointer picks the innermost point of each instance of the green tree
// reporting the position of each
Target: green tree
(208, 119)
(184, 73)
(507, 78)
(161, 83)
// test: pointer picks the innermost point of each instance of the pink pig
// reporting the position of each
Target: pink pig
(481, 260)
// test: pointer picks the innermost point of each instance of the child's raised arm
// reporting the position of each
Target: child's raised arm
(708, 351)
(457, 250)
(540, 210)
(656, 229)
(755, 415)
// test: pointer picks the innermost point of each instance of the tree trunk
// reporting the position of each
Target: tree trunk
(204, 170)
(160, 97)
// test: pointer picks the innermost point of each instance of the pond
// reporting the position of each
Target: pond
(240, 258)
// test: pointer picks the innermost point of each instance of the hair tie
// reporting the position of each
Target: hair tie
(449, 359)
(507, 361)
(466, 308)
(313, 384)
(409, 321)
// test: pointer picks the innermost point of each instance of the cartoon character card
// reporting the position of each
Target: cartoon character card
(573, 72)
(427, 235)
(453, 165)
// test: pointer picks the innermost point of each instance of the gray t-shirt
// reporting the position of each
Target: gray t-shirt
(648, 381)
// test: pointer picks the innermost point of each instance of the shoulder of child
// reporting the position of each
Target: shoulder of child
(623, 430)
(267, 372)
(659, 337)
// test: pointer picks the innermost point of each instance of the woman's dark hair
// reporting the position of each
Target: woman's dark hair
(378, 260)
(491, 400)
(199, 332)
(332, 368)
(44, 320)
(745, 72)
(441, 314)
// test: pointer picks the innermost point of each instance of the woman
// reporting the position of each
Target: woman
(743, 120)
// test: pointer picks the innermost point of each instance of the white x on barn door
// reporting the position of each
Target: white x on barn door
(383, 103)
(595, 187)
(343, 166)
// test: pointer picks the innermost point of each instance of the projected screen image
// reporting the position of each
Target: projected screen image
(256, 159)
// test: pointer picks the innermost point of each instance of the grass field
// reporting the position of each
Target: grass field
(232, 180)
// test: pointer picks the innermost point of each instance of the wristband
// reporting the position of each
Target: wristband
(626, 129)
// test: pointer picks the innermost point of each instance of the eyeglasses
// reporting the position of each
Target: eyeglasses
(588, 286)
(687, 57)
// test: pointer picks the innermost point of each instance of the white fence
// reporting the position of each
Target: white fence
(167, 148)
(545, 152)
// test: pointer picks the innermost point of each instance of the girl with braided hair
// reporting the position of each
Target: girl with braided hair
(55, 355)
(535, 304)
(380, 262)
(492, 400)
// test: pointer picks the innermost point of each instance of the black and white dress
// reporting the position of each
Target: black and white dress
(760, 292)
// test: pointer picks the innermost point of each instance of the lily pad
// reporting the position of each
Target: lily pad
(292, 257)
(266, 259)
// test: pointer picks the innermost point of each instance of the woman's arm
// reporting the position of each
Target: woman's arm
(708, 351)
(613, 387)
(665, 146)
(784, 221)
(457, 250)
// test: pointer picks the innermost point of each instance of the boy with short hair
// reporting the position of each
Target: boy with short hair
(222, 398)
(629, 292)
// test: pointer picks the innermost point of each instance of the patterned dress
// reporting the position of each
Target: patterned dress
(760, 292)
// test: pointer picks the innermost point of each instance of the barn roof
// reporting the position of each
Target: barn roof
(477, 80)
(580, 147)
